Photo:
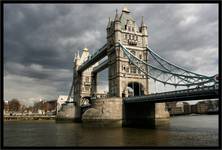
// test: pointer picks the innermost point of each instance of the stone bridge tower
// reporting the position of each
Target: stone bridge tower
(121, 73)
(82, 82)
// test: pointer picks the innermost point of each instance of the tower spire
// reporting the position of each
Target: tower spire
(78, 57)
(142, 22)
(116, 17)
(75, 56)
(109, 23)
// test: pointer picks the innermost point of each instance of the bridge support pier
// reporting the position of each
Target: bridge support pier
(144, 115)
(139, 115)
(105, 112)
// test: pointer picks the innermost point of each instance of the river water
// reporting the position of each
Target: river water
(201, 130)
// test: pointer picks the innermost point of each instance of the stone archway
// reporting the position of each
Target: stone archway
(138, 88)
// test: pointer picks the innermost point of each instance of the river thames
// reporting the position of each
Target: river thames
(200, 130)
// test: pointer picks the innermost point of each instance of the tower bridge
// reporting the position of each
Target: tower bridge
(131, 64)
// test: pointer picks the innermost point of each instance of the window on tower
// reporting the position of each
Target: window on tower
(132, 69)
(87, 79)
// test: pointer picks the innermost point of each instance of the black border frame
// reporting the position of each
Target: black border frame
(106, 1)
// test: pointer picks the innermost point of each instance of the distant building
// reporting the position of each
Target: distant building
(186, 108)
(175, 108)
(6, 107)
(203, 107)
(50, 106)
(61, 100)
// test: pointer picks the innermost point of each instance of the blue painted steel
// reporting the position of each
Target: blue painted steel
(181, 76)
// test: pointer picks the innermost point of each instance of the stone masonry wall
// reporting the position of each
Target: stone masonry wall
(104, 109)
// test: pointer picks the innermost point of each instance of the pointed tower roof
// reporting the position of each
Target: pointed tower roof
(142, 22)
(78, 57)
(116, 17)
(109, 23)
(74, 57)
(126, 16)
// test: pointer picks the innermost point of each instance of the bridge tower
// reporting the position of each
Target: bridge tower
(82, 81)
(121, 73)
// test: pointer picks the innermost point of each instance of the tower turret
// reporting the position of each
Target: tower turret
(144, 31)
(77, 62)
(109, 24)
(117, 27)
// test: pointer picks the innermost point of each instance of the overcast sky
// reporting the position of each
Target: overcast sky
(40, 41)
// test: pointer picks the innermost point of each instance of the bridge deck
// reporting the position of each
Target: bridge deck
(181, 95)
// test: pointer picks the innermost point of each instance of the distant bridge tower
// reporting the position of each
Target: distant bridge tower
(122, 74)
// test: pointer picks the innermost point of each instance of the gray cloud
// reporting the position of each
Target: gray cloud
(40, 41)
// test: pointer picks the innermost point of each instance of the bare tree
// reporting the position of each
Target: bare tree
(14, 105)
(23, 108)
(38, 106)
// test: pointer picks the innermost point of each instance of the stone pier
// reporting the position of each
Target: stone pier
(104, 112)
(67, 113)
(144, 115)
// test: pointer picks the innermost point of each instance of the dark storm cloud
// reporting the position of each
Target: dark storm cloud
(40, 40)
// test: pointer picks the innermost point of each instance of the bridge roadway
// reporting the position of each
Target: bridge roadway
(180, 95)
